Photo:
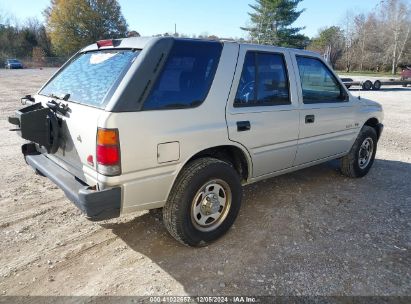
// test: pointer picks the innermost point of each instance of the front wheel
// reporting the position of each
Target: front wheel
(361, 157)
(204, 202)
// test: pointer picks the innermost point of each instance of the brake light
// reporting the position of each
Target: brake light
(107, 42)
(107, 155)
(108, 152)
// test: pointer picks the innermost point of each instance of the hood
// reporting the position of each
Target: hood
(370, 103)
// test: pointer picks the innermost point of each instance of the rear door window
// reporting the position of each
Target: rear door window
(264, 81)
(91, 77)
(186, 77)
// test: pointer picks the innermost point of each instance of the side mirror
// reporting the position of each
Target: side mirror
(344, 95)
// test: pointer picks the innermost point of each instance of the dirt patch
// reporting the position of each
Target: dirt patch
(312, 232)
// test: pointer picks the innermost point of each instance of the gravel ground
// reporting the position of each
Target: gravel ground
(312, 232)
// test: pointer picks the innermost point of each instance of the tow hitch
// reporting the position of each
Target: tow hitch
(39, 125)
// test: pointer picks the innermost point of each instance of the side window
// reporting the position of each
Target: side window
(246, 92)
(186, 77)
(318, 83)
(263, 82)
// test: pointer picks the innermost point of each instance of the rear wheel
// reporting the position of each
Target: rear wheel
(367, 85)
(361, 157)
(377, 85)
(204, 202)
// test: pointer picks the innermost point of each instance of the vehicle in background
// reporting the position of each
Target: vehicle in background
(13, 64)
(406, 73)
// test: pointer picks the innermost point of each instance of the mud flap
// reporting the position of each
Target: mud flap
(39, 125)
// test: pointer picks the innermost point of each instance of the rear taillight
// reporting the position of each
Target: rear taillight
(108, 152)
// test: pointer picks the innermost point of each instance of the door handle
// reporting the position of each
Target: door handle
(309, 119)
(243, 126)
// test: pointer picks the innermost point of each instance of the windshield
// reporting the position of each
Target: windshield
(90, 77)
(13, 61)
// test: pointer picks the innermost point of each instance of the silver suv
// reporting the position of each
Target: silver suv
(181, 124)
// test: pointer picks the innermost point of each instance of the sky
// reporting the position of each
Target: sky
(219, 17)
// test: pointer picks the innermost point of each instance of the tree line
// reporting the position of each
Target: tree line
(69, 25)
(379, 40)
(28, 40)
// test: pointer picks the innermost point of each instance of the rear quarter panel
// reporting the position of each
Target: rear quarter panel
(147, 181)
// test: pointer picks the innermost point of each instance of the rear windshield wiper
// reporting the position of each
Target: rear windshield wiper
(64, 97)
(58, 106)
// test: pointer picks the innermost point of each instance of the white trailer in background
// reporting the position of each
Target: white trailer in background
(374, 84)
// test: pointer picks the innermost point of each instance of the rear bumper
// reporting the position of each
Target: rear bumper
(96, 205)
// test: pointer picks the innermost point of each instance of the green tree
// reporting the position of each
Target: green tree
(72, 24)
(271, 23)
(27, 40)
(330, 42)
(17, 41)
(42, 40)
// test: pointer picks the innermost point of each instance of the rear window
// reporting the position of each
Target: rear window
(186, 77)
(91, 78)
(263, 82)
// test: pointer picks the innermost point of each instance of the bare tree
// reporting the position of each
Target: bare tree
(395, 15)
(3, 16)
(361, 33)
(6, 18)
(378, 40)
(350, 38)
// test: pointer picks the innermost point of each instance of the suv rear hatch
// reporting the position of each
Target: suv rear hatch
(76, 97)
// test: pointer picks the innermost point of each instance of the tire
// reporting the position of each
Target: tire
(377, 85)
(356, 163)
(367, 85)
(187, 212)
